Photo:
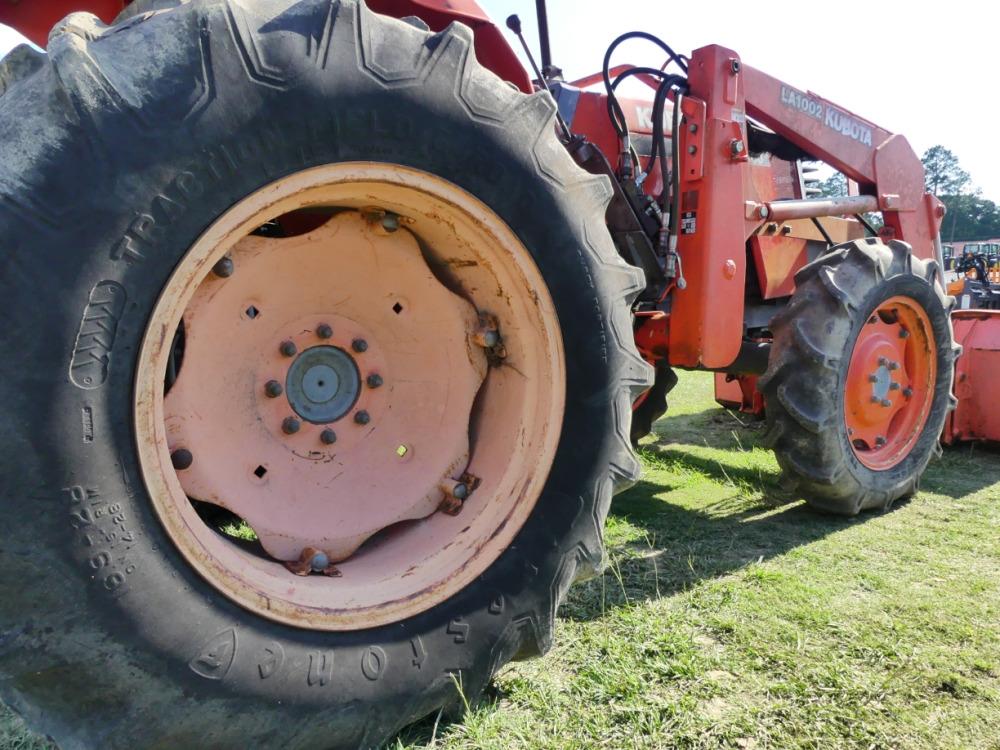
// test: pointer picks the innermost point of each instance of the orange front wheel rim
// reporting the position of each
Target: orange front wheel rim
(890, 383)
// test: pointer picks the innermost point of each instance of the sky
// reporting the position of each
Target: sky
(926, 70)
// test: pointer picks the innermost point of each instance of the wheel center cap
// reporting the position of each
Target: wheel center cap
(322, 384)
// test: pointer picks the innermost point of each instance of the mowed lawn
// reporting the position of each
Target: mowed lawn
(730, 615)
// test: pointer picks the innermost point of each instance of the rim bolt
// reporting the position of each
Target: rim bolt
(290, 425)
(324, 331)
(894, 386)
(374, 380)
(224, 267)
(181, 459)
(883, 362)
(894, 365)
(319, 562)
(886, 402)
(328, 437)
(359, 345)
(873, 378)
(903, 333)
(907, 392)
(273, 389)
(288, 348)
(362, 417)
(879, 442)
(460, 491)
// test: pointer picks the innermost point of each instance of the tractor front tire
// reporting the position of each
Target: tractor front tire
(860, 376)
(122, 153)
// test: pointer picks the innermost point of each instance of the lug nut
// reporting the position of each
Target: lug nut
(894, 386)
(290, 425)
(883, 362)
(181, 459)
(886, 402)
(894, 365)
(374, 380)
(875, 399)
(362, 417)
(907, 392)
(461, 491)
(390, 222)
(903, 333)
(359, 345)
(288, 348)
(224, 267)
(319, 562)
(324, 331)
(328, 437)
(879, 442)
(273, 389)
(873, 378)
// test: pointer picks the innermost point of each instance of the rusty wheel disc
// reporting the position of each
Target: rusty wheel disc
(890, 383)
(378, 396)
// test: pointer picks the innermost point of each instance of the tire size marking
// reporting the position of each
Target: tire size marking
(320, 668)
(419, 653)
(373, 663)
(496, 606)
(458, 629)
(102, 530)
(272, 656)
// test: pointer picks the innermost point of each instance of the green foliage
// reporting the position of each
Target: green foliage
(943, 175)
(970, 217)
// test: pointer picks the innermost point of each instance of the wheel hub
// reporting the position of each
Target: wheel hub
(294, 485)
(890, 383)
(323, 384)
(429, 342)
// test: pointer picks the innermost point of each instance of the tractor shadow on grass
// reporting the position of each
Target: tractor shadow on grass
(743, 516)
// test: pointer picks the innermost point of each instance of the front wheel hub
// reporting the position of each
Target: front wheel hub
(890, 383)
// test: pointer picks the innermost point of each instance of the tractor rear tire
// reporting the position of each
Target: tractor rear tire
(846, 431)
(114, 163)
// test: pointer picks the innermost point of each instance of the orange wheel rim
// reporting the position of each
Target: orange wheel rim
(890, 383)
(336, 387)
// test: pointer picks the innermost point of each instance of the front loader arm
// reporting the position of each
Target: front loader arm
(882, 163)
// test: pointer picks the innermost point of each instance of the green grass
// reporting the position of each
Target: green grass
(732, 616)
